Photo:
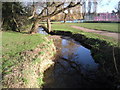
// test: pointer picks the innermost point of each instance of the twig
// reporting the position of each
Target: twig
(115, 61)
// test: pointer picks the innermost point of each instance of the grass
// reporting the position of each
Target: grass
(67, 27)
(111, 27)
(13, 44)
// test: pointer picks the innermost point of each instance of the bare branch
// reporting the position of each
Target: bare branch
(34, 11)
(59, 11)
(59, 5)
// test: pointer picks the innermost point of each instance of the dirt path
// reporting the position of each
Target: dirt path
(105, 33)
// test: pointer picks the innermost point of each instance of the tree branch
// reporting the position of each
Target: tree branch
(34, 11)
(59, 11)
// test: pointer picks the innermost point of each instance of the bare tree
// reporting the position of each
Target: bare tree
(118, 9)
(89, 6)
(95, 6)
(48, 19)
(65, 15)
(53, 8)
(84, 9)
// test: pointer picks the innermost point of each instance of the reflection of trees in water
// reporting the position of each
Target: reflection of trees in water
(68, 49)
(66, 54)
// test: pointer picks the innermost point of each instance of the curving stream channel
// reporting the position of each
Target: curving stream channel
(74, 67)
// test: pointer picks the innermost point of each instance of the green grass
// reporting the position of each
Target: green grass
(13, 42)
(111, 27)
(67, 27)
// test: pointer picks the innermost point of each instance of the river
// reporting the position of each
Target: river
(74, 67)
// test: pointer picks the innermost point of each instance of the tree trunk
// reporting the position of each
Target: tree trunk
(49, 25)
(65, 18)
(34, 26)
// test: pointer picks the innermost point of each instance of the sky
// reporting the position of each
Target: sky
(104, 6)
(107, 5)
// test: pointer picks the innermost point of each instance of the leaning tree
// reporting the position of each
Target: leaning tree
(46, 10)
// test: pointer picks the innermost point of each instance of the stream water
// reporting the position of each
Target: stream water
(42, 31)
(74, 67)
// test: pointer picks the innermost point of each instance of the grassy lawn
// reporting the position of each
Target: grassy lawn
(13, 42)
(18, 53)
(66, 27)
(112, 27)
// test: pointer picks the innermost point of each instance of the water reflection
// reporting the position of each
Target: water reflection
(72, 60)
(75, 52)
(42, 31)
